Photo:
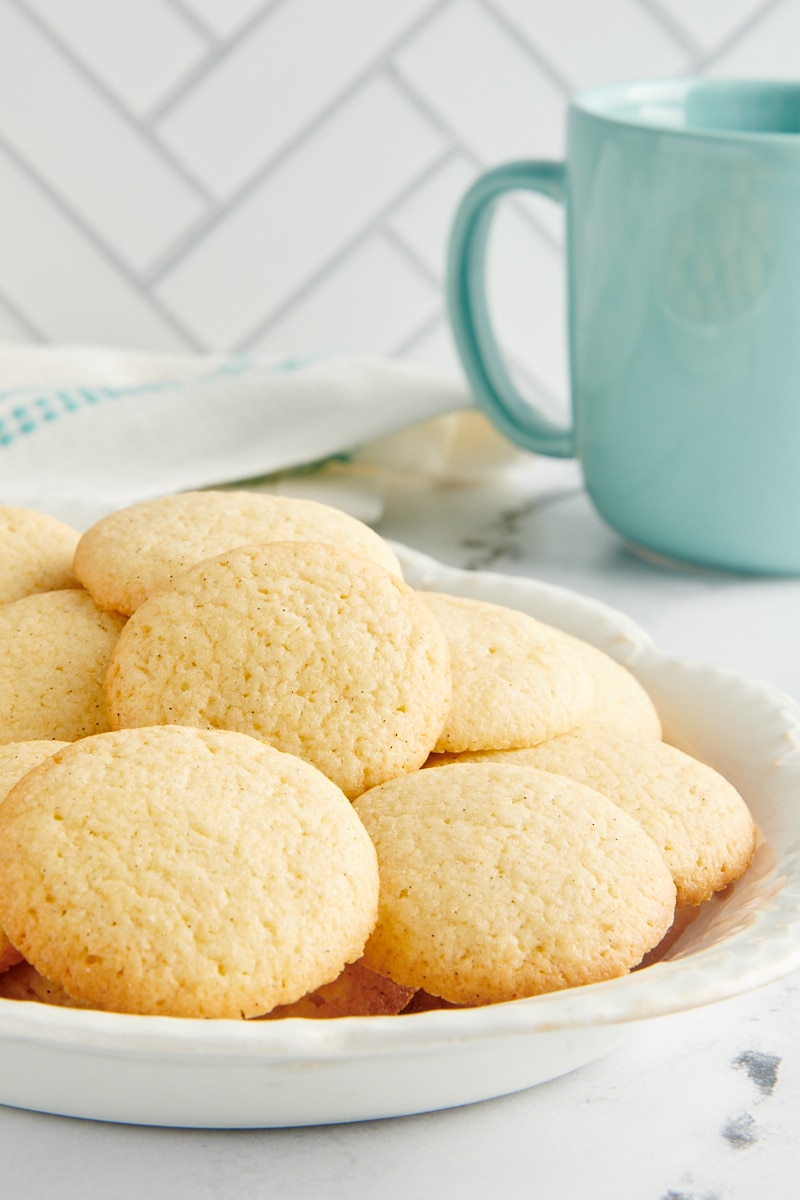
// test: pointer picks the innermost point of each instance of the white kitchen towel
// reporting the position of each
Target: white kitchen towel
(86, 430)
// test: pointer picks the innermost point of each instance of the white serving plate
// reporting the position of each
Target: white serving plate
(229, 1074)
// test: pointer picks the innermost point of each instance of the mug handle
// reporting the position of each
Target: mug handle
(469, 314)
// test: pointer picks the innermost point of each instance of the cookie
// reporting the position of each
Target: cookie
(9, 955)
(36, 553)
(357, 992)
(184, 872)
(23, 982)
(134, 552)
(516, 682)
(696, 817)
(314, 650)
(621, 703)
(56, 650)
(501, 881)
(16, 760)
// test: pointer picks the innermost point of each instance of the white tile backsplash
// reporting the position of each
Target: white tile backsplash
(714, 21)
(224, 17)
(140, 51)
(422, 221)
(771, 49)
(254, 101)
(83, 149)
(587, 47)
(13, 327)
(61, 282)
(245, 173)
(301, 216)
(483, 85)
(373, 301)
(434, 348)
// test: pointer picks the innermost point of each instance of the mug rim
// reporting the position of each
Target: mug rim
(599, 102)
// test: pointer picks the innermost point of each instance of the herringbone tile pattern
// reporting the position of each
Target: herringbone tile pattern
(281, 174)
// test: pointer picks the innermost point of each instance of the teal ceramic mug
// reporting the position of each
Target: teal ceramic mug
(682, 207)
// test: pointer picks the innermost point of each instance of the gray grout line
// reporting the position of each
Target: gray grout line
(457, 146)
(113, 101)
(98, 244)
(409, 253)
(750, 23)
(376, 227)
(194, 75)
(226, 206)
(383, 67)
(310, 283)
(523, 374)
(181, 247)
(223, 50)
(406, 347)
(662, 14)
(191, 18)
(532, 221)
(21, 318)
(377, 224)
(184, 244)
(395, 75)
(540, 61)
(173, 257)
(166, 105)
(411, 32)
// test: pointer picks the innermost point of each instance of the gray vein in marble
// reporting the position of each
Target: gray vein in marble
(690, 1196)
(761, 1068)
(740, 1132)
(501, 538)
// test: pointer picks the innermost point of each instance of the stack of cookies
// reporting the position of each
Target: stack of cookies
(247, 771)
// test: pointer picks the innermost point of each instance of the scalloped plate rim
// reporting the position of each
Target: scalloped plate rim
(765, 951)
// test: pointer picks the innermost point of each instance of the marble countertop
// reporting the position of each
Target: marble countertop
(700, 1106)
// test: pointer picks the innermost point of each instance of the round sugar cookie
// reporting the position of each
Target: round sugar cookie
(184, 872)
(502, 881)
(696, 817)
(9, 955)
(134, 552)
(621, 703)
(515, 681)
(316, 651)
(56, 650)
(16, 759)
(36, 552)
(357, 992)
(23, 982)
